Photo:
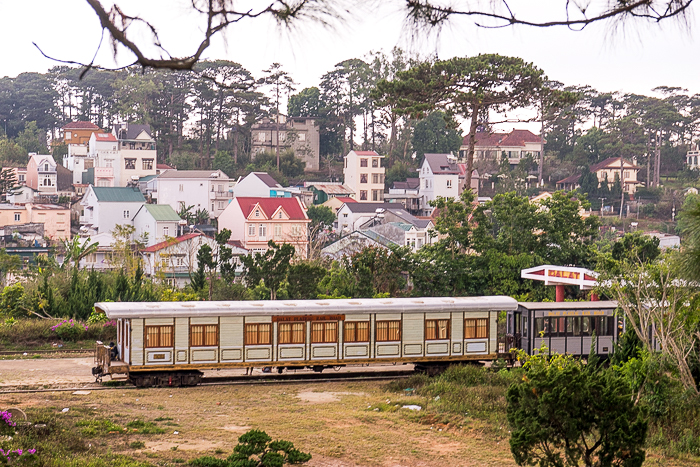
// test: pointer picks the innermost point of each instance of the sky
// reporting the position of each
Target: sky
(635, 58)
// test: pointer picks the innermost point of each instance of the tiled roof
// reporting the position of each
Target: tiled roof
(463, 171)
(80, 126)
(514, 138)
(105, 137)
(345, 199)
(162, 212)
(172, 241)
(409, 184)
(332, 189)
(366, 153)
(292, 206)
(267, 179)
(193, 174)
(440, 164)
(163, 166)
(372, 207)
(118, 194)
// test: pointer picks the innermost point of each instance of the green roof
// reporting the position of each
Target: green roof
(118, 195)
(162, 212)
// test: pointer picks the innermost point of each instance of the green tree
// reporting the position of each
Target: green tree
(565, 413)
(436, 134)
(321, 216)
(269, 267)
(398, 172)
(77, 249)
(303, 280)
(32, 139)
(8, 183)
(379, 271)
(9, 264)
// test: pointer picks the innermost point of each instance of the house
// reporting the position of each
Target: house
(54, 218)
(101, 259)
(77, 161)
(439, 178)
(322, 192)
(353, 243)
(352, 215)
(463, 179)
(78, 133)
(364, 175)
(516, 145)
(691, 159)
(137, 153)
(402, 228)
(156, 223)
(23, 195)
(260, 185)
(406, 193)
(255, 221)
(175, 259)
(202, 189)
(337, 202)
(41, 173)
(103, 149)
(298, 133)
(103, 208)
(606, 171)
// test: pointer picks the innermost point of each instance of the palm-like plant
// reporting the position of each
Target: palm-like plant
(78, 249)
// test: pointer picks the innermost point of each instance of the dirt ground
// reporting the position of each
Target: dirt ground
(338, 423)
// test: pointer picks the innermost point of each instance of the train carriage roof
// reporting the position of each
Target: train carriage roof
(592, 305)
(305, 307)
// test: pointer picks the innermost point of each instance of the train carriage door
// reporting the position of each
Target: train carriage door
(324, 340)
(126, 335)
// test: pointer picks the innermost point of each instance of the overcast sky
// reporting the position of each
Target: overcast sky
(635, 59)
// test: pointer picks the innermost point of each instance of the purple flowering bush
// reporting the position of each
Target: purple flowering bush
(70, 330)
(24, 457)
(7, 426)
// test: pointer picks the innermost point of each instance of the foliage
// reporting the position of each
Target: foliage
(321, 216)
(269, 267)
(303, 280)
(9, 264)
(436, 134)
(256, 449)
(564, 413)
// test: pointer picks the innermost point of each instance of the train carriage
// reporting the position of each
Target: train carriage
(169, 343)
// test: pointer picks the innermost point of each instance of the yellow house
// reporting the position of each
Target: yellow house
(56, 219)
(607, 170)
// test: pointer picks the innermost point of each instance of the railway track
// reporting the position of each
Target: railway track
(20, 353)
(264, 379)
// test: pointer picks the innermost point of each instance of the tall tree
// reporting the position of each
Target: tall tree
(281, 83)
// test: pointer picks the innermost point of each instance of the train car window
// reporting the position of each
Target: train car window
(324, 332)
(388, 331)
(159, 336)
(586, 326)
(257, 334)
(291, 333)
(437, 329)
(356, 331)
(476, 328)
(204, 335)
(539, 327)
(525, 325)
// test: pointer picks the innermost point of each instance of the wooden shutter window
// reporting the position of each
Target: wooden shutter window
(159, 336)
(257, 334)
(388, 331)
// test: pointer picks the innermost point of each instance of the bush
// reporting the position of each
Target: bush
(70, 330)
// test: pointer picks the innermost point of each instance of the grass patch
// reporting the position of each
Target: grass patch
(137, 445)
(144, 428)
(162, 419)
(92, 428)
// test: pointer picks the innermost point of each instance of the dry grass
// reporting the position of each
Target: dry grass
(336, 422)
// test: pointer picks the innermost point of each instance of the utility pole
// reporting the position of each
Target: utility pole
(622, 185)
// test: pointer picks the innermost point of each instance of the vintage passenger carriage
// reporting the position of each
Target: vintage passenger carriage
(169, 343)
(564, 327)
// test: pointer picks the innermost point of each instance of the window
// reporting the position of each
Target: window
(375, 195)
(279, 216)
(436, 329)
(345, 214)
(21, 178)
(130, 164)
(375, 178)
(363, 178)
(126, 214)
(18, 217)
(388, 331)
(262, 230)
(278, 231)
(257, 334)
(363, 195)
(363, 162)
(476, 328)
(356, 331)
(449, 183)
(46, 167)
(204, 335)
(257, 213)
(251, 230)
(166, 231)
(324, 332)
(159, 336)
(291, 333)
(426, 183)
(182, 188)
(627, 174)
(221, 205)
(147, 164)
(302, 136)
(261, 137)
(375, 162)
(575, 326)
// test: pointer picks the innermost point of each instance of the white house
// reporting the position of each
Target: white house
(103, 148)
(364, 175)
(352, 215)
(202, 189)
(100, 260)
(105, 207)
(260, 185)
(137, 152)
(439, 177)
(156, 223)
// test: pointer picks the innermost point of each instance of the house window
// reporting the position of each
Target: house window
(302, 136)
(324, 332)
(147, 164)
(251, 230)
(291, 333)
(437, 329)
(204, 335)
(130, 164)
(21, 178)
(375, 162)
(375, 195)
(375, 178)
(363, 195)
(476, 328)
(627, 174)
(279, 216)
(180, 261)
(257, 213)
(449, 183)
(357, 331)
(166, 231)
(221, 205)
(18, 217)
(345, 214)
(363, 162)
(262, 230)
(426, 183)
(388, 331)
(363, 178)
(257, 334)
(47, 180)
(261, 137)
(182, 188)
(278, 231)
(126, 214)
(159, 336)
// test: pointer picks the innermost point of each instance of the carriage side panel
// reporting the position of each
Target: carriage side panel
(413, 337)
(182, 340)
(457, 332)
(137, 347)
(231, 340)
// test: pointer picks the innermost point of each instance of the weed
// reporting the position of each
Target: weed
(144, 428)
(162, 419)
(137, 445)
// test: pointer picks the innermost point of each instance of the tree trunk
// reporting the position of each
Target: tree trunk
(472, 142)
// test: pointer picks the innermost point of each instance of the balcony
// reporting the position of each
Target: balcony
(222, 194)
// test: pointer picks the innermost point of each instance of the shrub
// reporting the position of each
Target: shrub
(70, 330)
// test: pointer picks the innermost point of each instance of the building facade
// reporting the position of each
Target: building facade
(364, 175)
(515, 146)
(202, 189)
(103, 208)
(298, 133)
(439, 178)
